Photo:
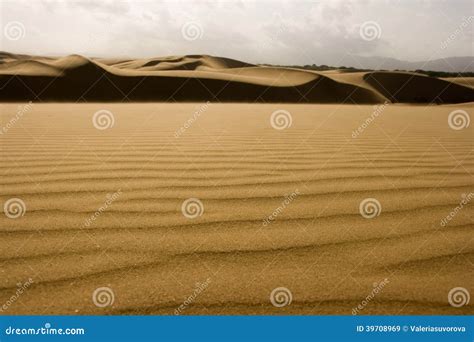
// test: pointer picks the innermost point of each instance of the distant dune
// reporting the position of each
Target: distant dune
(206, 78)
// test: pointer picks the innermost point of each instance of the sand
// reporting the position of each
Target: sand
(202, 78)
(228, 156)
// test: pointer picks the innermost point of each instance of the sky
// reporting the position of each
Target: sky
(285, 32)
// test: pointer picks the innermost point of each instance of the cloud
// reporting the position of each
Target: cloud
(279, 32)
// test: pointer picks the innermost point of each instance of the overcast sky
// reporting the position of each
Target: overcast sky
(278, 32)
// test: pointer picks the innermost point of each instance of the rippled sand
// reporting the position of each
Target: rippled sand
(134, 177)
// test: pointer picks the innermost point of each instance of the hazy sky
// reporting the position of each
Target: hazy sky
(278, 32)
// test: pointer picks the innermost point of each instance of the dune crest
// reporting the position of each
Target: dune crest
(207, 78)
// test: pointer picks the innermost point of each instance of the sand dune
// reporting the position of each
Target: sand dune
(207, 78)
(465, 81)
(319, 246)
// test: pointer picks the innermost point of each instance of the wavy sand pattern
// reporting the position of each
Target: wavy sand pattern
(231, 158)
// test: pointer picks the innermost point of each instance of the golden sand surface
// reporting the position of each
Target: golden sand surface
(205, 208)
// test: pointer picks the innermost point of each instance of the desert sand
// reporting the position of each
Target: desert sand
(207, 78)
(155, 156)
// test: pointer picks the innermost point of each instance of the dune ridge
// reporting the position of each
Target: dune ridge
(207, 78)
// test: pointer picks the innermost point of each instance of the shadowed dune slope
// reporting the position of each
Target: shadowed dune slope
(415, 88)
(207, 78)
(465, 81)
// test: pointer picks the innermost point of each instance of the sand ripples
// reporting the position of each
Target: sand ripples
(310, 178)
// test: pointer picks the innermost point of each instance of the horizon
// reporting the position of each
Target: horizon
(400, 65)
(287, 33)
(59, 55)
